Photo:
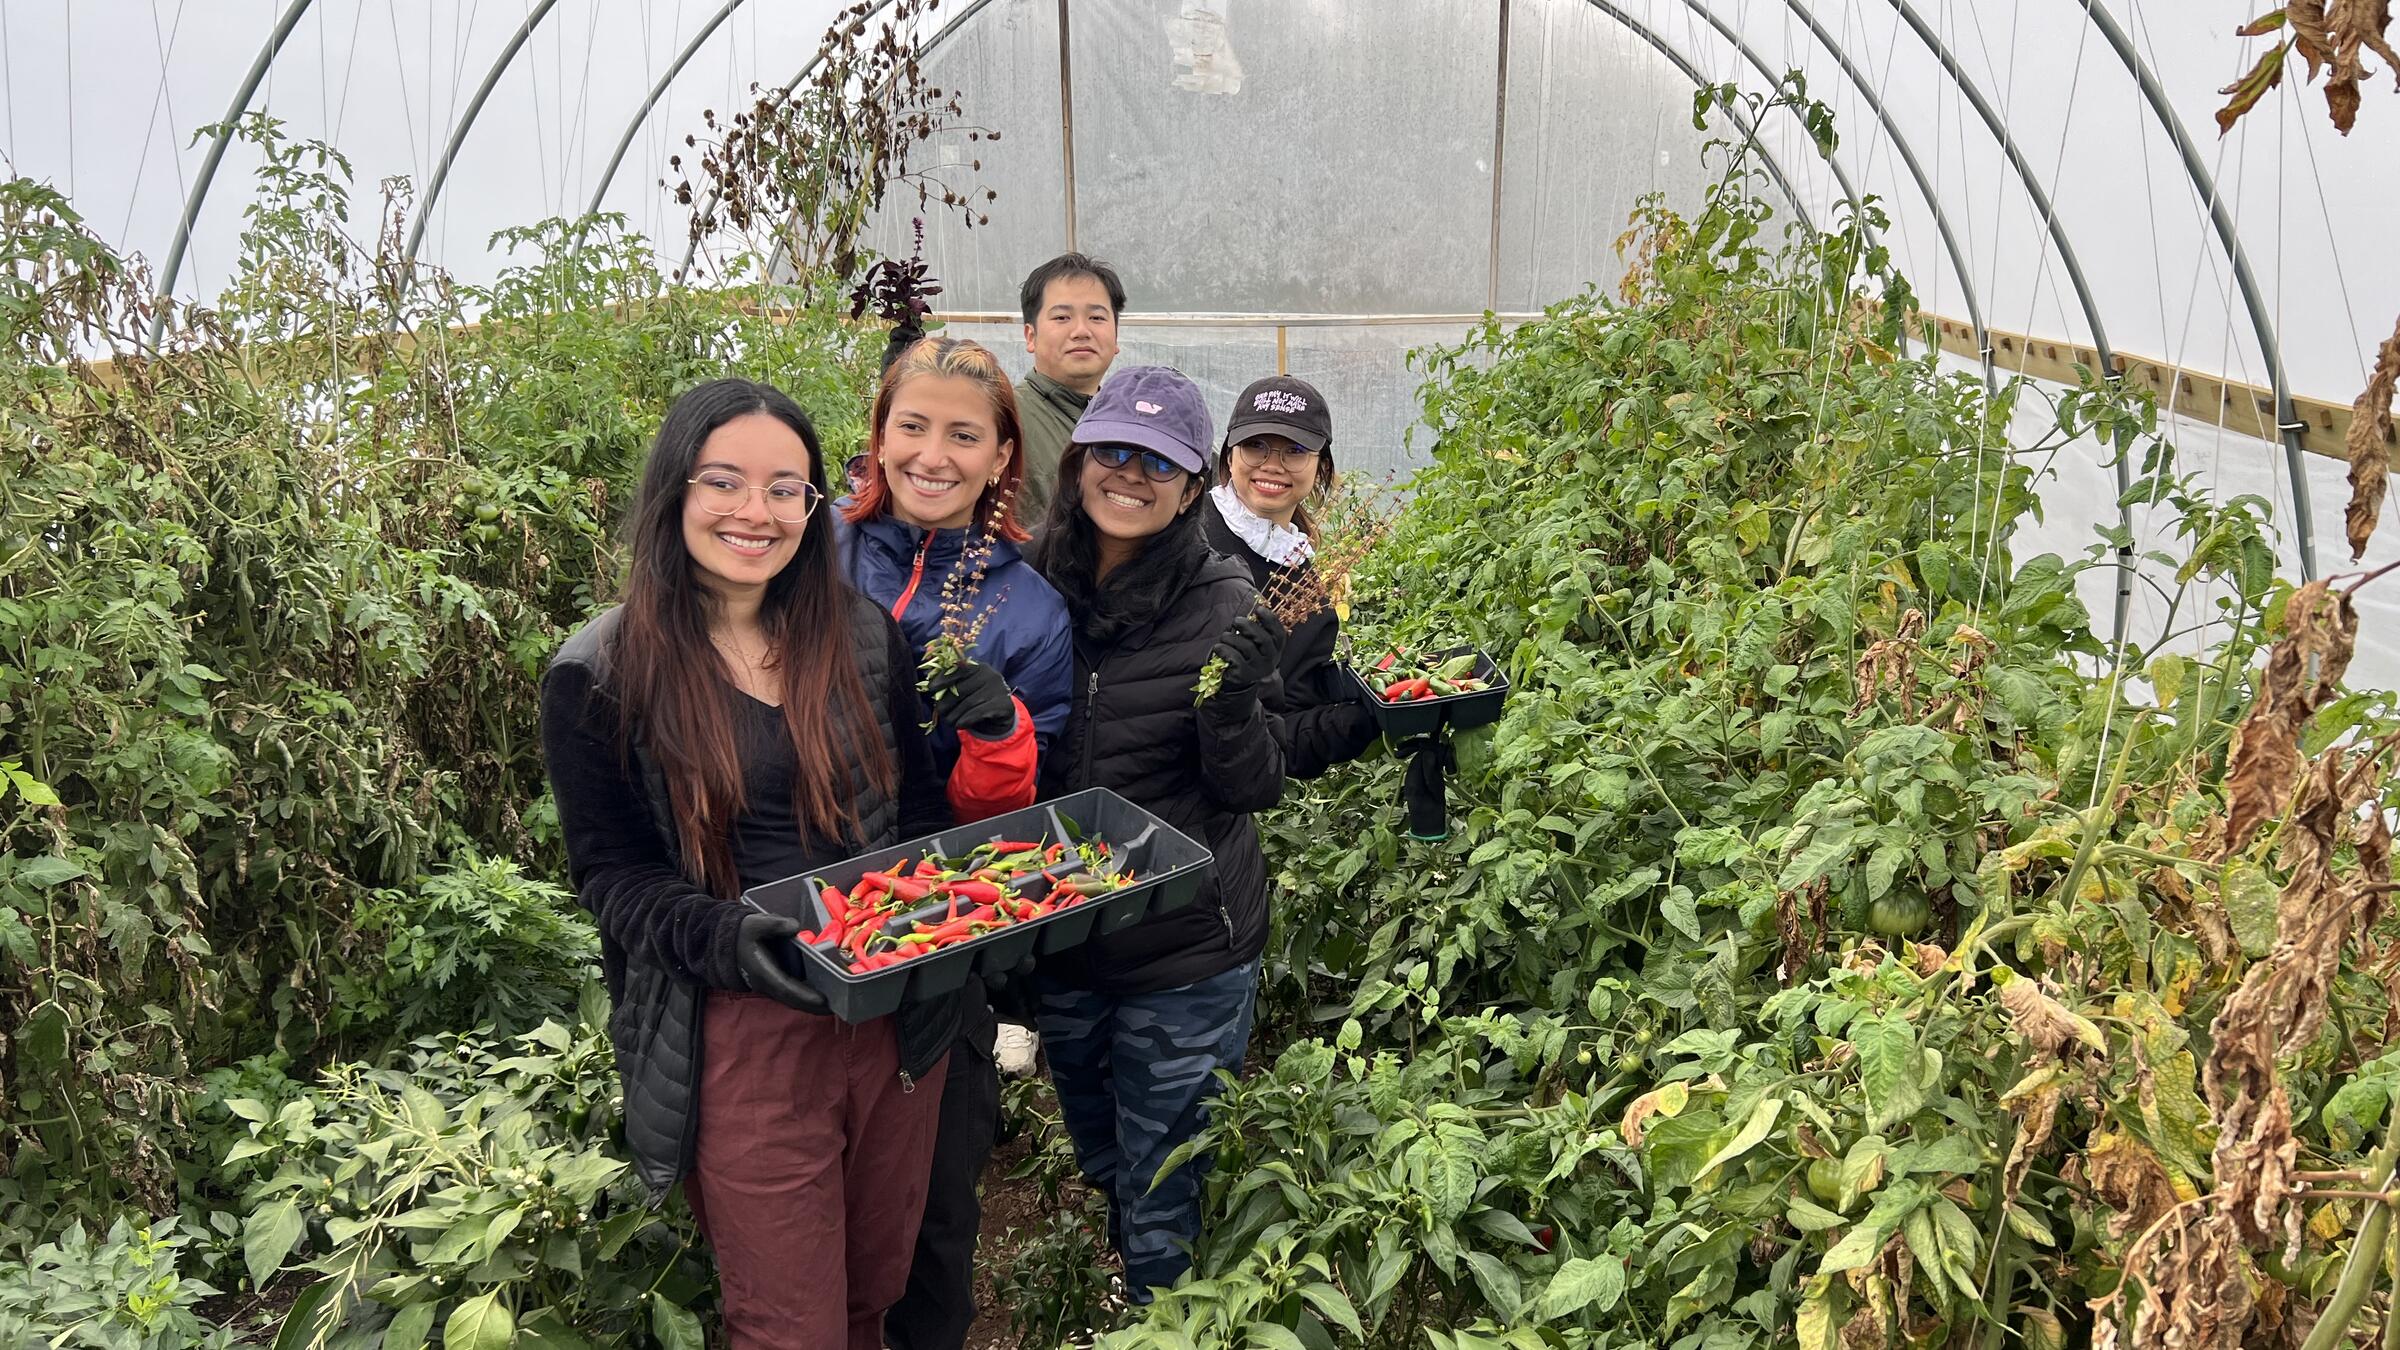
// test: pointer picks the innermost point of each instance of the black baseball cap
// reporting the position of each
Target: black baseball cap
(1282, 405)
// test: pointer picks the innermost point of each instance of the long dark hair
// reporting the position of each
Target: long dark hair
(675, 686)
(1066, 551)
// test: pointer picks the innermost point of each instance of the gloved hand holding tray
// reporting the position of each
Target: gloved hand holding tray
(1417, 695)
(914, 920)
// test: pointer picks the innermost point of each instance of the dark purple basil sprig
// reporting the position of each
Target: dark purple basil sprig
(896, 289)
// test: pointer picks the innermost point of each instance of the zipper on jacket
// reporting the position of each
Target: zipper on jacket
(916, 574)
(907, 1084)
(1091, 713)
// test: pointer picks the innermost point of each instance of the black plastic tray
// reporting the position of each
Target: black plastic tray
(1169, 865)
(1459, 712)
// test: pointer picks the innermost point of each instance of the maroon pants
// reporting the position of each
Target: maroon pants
(811, 1174)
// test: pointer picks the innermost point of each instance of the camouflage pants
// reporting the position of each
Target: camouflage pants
(1132, 1072)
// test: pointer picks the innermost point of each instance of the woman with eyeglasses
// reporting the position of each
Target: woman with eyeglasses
(1136, 1022)
(937, 488)
(743, 716)
(1277, 457)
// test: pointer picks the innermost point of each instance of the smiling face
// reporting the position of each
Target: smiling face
(1126, 506)
(941, 448)
(1272, 476)
(1073, 336)
(739, 553)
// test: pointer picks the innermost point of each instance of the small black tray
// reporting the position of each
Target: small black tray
(1459, 712)
(1169, 864)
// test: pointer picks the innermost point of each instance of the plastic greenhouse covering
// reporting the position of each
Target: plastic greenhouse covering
(1322, 186)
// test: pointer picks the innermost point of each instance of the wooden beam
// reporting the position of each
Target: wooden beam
(2248, 409)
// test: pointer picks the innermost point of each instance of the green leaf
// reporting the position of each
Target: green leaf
(1762, 1119)
(1274, 1337)
(410, 1326)
(1888, 1066)
(1499, 1284)
(47, 870)
(268, 1236)
(1334, 1305)
(675, 1326)
(1584, 1282)
(2250, 905)
(1810, 1217)
(480, 1323)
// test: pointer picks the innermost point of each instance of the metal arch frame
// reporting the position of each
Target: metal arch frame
(2287, 419)
(216, 154)
(658, 90)
(2050, 225)
(1925, 188)
(458, 137)
(1741, 118)
(2096, 13)
(1858, 202)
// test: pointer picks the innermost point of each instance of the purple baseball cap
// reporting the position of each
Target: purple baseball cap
(1154, 408)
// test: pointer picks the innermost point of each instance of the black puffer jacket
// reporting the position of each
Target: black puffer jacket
(1323, 722)
(1202, 769)
(665, 942)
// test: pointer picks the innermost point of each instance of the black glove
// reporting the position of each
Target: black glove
(972, 696)
(1424, 785)
(761, 934)
(1251, 648)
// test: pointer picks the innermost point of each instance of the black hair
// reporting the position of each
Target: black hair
(1066, 551)
(1065, 265)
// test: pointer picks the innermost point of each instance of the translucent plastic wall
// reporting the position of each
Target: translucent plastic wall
(1322, 184)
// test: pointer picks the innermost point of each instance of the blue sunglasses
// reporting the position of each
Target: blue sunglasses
(1155, 466)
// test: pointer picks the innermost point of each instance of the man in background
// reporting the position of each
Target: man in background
(1071, 304)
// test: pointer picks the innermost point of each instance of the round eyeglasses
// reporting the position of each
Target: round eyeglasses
(1155, 466)
(789, 500)
(1257, 453)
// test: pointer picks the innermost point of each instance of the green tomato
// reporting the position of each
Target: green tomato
(1825, 1181)
(1899, 915)
(1630, 1062)
(486, 511)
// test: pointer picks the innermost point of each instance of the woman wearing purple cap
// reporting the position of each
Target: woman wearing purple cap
(1136, 1023)
(1276, 457)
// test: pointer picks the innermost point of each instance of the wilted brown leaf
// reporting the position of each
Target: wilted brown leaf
(2046, 1022)
(2036, 1113)
(2370, 446)
(2336, 35)
(2320, 627)
(2130, 1180)
(2281, 1002)
(2266, 75)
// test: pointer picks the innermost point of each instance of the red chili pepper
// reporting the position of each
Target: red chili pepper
(1053, 853)
(806, 937)
(837, 905)
(951, 931)
(910, 889)
(925, 868)
(1007, 846)
(982, 891)
(1401, 691)
(1388, 659)
(873, 883)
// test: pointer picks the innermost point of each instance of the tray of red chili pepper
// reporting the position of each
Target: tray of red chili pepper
(912, 921)
(1413, 694)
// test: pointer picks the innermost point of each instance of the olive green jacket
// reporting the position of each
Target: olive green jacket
(1046, 412)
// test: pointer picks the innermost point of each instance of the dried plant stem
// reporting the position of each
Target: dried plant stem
(2366, 1254)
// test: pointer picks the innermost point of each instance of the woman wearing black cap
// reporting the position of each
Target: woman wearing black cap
(1137, 1022)
(1276, 457)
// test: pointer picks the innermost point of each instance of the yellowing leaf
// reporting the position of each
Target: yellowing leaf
(1667, 1101)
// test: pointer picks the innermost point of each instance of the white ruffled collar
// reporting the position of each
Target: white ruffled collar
(1282, 545)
